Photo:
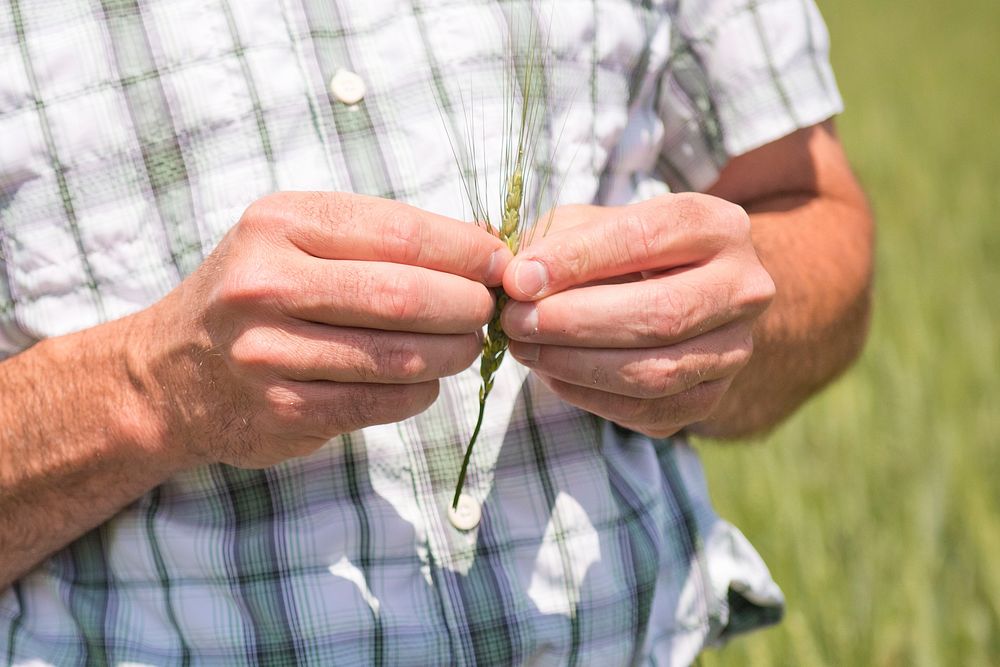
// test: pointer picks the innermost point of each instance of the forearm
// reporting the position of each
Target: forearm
(76, 442)
(818, 251)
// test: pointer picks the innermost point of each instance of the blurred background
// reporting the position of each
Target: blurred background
(878, 506)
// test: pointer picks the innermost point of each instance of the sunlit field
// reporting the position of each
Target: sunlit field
(878, 506)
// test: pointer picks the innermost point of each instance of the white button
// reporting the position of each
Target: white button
(466, 516)
(347, 87)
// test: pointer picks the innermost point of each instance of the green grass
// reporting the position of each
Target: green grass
(878, 506)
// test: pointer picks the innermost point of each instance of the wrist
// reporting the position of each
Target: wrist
(141, 407)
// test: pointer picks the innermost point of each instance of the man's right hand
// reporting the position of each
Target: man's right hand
(318, 314)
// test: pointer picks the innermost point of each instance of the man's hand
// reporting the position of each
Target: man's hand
(317, 315)
(640, 314)
(668, 346)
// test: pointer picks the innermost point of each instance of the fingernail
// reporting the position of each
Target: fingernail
(530, 277)
(520, 319)
(526, 351)
(494, 269)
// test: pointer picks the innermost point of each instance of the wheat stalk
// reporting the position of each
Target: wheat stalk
(522, 126)
(496, 341)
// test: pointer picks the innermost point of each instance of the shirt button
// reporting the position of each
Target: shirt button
(467, 515)
(347, 87)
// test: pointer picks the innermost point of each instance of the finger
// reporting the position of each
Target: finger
(327, 409)
(332, 225)
(643, 373)
(381, 295)
(662, 233)
(306, 352)
(655, 417)
(658, 311)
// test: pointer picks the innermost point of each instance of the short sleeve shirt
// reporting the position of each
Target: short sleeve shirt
(133, 134)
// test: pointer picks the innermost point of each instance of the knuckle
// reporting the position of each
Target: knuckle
(664, 328)
(753, 294)
(664, 315)
(401, 239)
(763, 289)
(253, 349)
(634, 236)
(401, 296)
(239, 285)
(261, 209)
(657, 378)
(285, 407)
(357, 286)
(403, 360)
(734, 217)
(270, 216)
(739, 219)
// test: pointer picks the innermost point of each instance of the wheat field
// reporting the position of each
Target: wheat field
(878, 506)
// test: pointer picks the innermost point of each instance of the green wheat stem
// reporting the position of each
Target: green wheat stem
(494, 348)
(495, 342)
(468, 455)
(517, 156)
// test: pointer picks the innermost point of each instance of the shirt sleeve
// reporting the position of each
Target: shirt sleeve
(742, 73)
(12, 339)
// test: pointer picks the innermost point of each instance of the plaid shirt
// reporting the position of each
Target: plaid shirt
(132, 136)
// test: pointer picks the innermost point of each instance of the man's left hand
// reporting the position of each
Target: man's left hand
(640, 314)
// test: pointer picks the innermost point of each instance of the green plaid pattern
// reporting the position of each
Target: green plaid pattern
(133, 133)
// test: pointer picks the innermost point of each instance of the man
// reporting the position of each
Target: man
(233, 412)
